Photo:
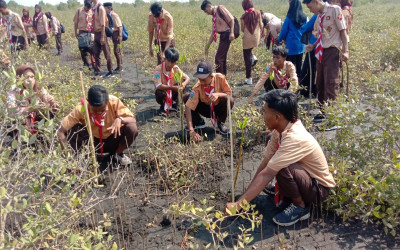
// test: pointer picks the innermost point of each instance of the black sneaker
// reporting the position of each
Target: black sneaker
(118, 70)
(109, 75)
(319, 118)
(97, 74)
(201, 124)
(222, 129)
(291, 215)
(269, 189)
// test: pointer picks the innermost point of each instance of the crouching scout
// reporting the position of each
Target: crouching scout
(294, 157)
(113, 126)
(208, 98)
(164, 81)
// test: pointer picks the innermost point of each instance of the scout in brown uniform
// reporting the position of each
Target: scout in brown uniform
(208, 98)
(55, 26)
(15, 27)
(41, 27)
(27, 21)
(294, 157)
(83, 27)
(113, 126)
(282, 73)
(332, 44)
(348, 14)
(116, 37)
(161, 24)
(223, 24)
(99, 22)
(251, 27)
(166, 86)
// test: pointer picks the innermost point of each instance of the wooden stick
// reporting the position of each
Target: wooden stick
(231, 137)
(348, 74)
(309, 90)
(238, 165)
(89, 128)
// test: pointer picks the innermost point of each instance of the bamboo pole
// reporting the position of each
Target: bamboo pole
(231, 137)
(89, 128)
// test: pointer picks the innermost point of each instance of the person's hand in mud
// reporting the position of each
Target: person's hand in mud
(116, 127)
(195, 136)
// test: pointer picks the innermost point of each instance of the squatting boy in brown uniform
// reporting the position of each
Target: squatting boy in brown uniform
(330, 30)
(161, 24)
(99, 21)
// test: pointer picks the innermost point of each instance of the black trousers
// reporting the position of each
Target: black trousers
(308, 73)
(297, 61)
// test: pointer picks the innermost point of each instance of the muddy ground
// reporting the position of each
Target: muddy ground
(138, 213)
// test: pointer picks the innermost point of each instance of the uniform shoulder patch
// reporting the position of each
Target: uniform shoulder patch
(340, 16)
(157, 75)
(191, 94)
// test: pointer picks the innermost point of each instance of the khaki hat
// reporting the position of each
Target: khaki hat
(21, 69)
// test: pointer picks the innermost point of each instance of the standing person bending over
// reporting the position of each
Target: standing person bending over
(273, 26)
(166, 86)
(15, 28)
(83, 26)
(41, 27)
(251, 27)
(282, 73)
(291, 33)
(99, 22)
(294, 157)
(208, 98)
(113, 125)
(116, 37)
(222, 23)
(330, 46)
(162, 24)
(55, 26)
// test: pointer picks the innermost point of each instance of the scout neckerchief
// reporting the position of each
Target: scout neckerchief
(36, 19)
(250, 10)
(158, 34)
(93, 12)
(208, 91)
(347, 7)
(282, 79)
(168, 97)
(319, 49)
(214, 23)
(89, 26)
(98, 120)
(32, 120)
(26, 19)
(7, 23)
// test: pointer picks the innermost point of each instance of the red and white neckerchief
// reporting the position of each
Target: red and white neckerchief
(36, 19)
(347, 7)
(208, 91)
(93, 12)
(168, 97)
(7, 23)
(319, 49)
(158, 34)
(89, 26)
(250, 10)
(214, 23)
(26, 19)
(282, 79)
(98, 120)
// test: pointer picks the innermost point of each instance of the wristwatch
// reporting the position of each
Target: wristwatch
(122, 119)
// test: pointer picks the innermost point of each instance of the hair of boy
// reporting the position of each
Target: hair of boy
(156, 9)
(172, 55)
(3, 4)
(284, 102)
(204, 4)
(97, 95)
(280, 50)
(87, 4)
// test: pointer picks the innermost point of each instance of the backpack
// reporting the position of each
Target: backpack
(236, 28)
(110, 27)
(125, 34)
(62, 28)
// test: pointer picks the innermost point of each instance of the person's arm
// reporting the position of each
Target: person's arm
(188, 115)
(260, 84)
(76, 21)
(345, 51)
(118, 27)
(242, 25)
(62, 137)
(170, 32)
(150, 29)
(185, 80)
(293, 80)
(284, 30)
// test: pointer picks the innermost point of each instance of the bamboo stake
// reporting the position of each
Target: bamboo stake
(231, 137)
(89, 128)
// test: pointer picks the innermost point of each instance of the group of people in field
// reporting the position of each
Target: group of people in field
(294, 161)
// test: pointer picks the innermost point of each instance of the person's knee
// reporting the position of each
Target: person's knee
(132, 130)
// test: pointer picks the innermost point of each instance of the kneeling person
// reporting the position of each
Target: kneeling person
(166, 86)
(294, 157)
(208, 98)
(113, 125)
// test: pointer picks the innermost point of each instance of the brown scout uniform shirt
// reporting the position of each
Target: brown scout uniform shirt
(220, 84)
(115, 108)
(42, 26)
(167, 26)
(100, 18)
(332, 24)
(80, 19)
(251, 40)
(288, 69)
(220, 25)
(117, 21)
(159, 77)
(55, 26)
(17, 27)
(297, 145)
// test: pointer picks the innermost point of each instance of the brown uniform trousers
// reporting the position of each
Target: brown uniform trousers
(327, 80)
(162, 94)
(117, 49)
(97, 48)
(220, 110)
(222, 52)
(59, 43)
(294, 181)
(172, 45)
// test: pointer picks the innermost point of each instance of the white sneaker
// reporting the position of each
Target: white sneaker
(249, 81)
(254, 61)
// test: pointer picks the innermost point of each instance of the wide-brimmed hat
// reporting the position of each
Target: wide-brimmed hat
(204, 69)
(21, 69)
